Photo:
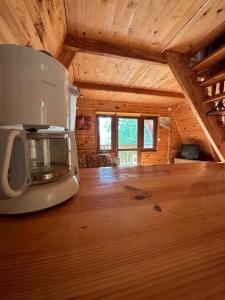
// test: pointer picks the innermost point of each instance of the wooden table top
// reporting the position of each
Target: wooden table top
(154, 232)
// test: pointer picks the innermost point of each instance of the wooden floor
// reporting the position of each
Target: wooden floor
(154, 232)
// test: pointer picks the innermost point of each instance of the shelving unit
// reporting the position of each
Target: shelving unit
(212, 73)
(220, 76)
(209, 60)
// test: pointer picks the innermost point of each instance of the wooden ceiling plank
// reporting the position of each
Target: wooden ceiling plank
(194, 35)
(76, 16)
(49, 20)
(37, 24)
(131, 23)
(125, 89)
(17, 25)
(112, 50)
(112, 70)
(194, 95)
(158, 77)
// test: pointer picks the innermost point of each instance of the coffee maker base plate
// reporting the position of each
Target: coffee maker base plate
(41, 197)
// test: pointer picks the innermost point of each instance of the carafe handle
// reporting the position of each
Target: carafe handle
(14, 164)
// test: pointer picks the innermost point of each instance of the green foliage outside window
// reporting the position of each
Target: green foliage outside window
(127, 131)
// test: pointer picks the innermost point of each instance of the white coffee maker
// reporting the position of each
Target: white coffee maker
(38, 157)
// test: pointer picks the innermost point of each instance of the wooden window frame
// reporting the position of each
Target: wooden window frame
(140, 133)
(155, 122)
(113, 131)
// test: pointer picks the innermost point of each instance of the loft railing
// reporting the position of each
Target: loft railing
(124, 147)
(128, 158)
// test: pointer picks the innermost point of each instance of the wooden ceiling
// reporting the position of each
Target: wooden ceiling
(145, 24)
(150, 25)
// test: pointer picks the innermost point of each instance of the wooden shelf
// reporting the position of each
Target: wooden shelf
(211, 59)
(213, 79)
(214, 98)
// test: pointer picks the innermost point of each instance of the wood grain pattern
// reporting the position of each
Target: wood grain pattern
(168, 144)
(141, 25)
(119, 71)
(125, 23)
(138, 24)
(160, 102)
(194, 95)
(39, 24)
(194, 34)
(126, 89)
(158, 76)
(189, 127)
(96, 47)
(105, 244)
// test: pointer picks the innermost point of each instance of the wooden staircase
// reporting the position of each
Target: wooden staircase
(213, 84)
(202, 82)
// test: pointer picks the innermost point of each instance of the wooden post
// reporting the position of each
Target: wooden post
(194, 95)
(66, 57)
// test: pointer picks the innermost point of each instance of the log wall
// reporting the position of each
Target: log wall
(168, 143)
(189, 128)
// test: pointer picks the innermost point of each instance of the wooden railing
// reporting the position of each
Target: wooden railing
(214, 92)
(128, 146)
(128, 158)
(124, 147)
(105, 147)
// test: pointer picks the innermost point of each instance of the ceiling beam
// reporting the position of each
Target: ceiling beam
(66, 57)
(111, 50)
(126, 89)
(179, 65)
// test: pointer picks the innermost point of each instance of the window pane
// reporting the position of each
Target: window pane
(105, 133)
(148, 134)
(128, 158)
(127, 133)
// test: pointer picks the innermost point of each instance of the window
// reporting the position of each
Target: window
(149, 133)
(127, 136)
(105, 133)
(127, 143)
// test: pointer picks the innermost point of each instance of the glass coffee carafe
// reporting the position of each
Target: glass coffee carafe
(49, 156)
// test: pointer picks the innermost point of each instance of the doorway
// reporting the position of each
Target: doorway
(127, 141)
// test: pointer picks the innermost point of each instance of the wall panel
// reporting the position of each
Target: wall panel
(169, 140)
(189, 128)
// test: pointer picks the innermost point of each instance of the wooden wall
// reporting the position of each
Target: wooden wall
(189, 128)
(167, 138)
(38, 24)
